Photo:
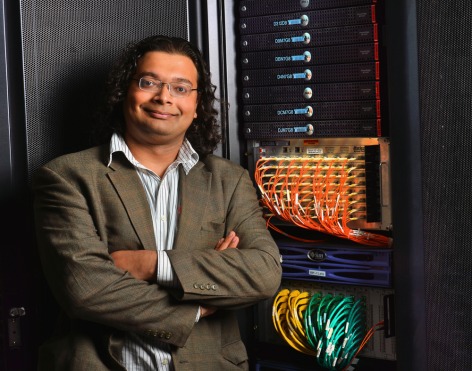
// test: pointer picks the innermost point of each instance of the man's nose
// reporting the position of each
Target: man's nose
(163, 93)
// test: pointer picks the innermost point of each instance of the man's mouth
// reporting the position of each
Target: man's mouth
(159, 114)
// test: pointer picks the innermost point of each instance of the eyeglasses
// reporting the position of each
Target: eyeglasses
(176, 89)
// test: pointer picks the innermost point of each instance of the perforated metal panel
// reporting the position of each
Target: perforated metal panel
(445, 71)
(68, 48)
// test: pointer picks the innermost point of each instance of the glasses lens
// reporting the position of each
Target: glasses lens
(145, 83)
(179, 89)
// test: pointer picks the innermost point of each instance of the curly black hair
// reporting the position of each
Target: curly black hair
(203, 134)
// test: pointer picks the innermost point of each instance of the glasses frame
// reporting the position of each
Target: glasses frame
(171, 91)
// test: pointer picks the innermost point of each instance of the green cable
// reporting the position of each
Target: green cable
(355, 333)
(321, 318)
(342, 309)
(335, 325)
(308, 319)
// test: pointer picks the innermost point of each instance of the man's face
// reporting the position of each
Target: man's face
(158, 117)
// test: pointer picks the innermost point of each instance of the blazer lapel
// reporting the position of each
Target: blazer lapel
(194, 195)
(129, 188)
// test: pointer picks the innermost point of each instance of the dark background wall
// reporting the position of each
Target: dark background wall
(445, 84)
(430, 89)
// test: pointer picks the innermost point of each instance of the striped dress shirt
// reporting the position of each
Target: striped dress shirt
(139, 353)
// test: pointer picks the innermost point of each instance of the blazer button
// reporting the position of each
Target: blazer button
(208, 286)
(214, 287)
(168, 335)
(196, 286)
(202, 286)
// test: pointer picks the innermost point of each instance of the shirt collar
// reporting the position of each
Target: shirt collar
(187, 156)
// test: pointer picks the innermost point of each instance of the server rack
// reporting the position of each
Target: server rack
(323, 156)
(426, 111)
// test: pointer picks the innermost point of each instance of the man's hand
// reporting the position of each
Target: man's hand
(230, 242)
(206, 311)
(141, 264)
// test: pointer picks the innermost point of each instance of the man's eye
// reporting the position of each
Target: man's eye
(148, 83)
(181, 88)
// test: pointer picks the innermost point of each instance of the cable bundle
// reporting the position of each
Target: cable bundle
(330, 327)
(316, 193)
(287, 316)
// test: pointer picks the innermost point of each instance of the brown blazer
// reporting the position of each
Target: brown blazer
(84, 210)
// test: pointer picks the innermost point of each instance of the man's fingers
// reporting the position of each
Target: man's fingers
(230, 241)
(219, 243)
(234, 242)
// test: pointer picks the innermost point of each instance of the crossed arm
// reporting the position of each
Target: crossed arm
(142, 264)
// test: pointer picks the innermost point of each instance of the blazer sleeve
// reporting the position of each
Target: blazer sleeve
(234, 277)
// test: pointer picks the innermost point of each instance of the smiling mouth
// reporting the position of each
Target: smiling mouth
(159, 114)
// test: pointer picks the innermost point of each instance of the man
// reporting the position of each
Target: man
(149, 242)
